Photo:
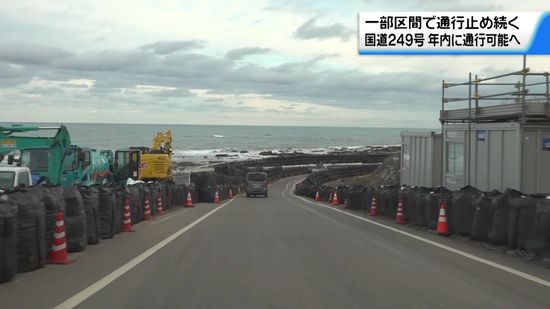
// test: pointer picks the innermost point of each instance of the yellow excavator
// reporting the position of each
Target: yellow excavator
(143, 163)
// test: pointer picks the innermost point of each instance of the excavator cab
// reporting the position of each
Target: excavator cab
(126, 165)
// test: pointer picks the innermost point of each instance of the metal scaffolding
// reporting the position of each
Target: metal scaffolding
(497, 98)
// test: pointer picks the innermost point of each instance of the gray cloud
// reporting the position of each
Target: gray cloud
(168, 47)
(239, 53)
(176, 93)
(309, 30)
(26, 53)
(294, 81)
(108, 60)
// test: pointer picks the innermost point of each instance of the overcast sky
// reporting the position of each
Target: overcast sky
(254, 62)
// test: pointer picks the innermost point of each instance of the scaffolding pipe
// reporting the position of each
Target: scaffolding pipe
(477, 93)
(541, 83)
(498, 94)
(442, 135)
(500, 76)
(470, 123)
(524, 92)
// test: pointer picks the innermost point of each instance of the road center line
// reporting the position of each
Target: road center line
(433, 243)
(103, 282)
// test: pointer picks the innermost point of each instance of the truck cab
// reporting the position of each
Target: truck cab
(11, 177)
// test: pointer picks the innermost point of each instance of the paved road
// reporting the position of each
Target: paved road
(281, 252)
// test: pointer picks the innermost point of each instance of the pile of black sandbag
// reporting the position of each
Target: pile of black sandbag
(107, 211)
(484, 215)
(90, 198)
(461, 214)
(388, 200)
(31, 227)
(75, 219)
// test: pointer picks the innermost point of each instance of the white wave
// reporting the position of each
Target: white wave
(235, 154)
(217, 135)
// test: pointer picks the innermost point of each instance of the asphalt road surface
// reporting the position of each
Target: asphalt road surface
(281, 252)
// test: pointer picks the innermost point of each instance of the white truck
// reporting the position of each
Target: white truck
(10, 177)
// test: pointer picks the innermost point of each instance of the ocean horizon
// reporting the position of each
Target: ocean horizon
(204, 142)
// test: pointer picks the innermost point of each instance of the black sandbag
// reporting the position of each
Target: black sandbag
(521, 220)
(53, 203)
(462, 208)
(172, 194)
(153, 195)
(138, 211)
(390, 198)
(407, 195)
(8, 239)
(420, 206)
(135, 203)
(107, 205)
(499, 230)
(75, 220)
(542, 228)
(90, 198)
(324, 193)
(366, 198)
(164, 195)
(31, 229)
(381, 201)
(122, 194)
(141, 193)
(354, 198)
(483, 216)
(432, 202)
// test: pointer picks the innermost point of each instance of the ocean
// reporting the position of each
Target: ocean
(204, 142)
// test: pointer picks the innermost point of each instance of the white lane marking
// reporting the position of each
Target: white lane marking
(436, 244)
(81, 296)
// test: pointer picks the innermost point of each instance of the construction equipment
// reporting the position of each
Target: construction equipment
(44, 156)
(53, 159)
(87, 166)
(143, 163)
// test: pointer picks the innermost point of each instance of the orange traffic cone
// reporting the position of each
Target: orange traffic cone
(346, 205)
(160, 209)
(216, 197)
(373, 208)
(442, 224)
(189, 201)
(126, 217)
(147, 209)
(317, 196)
(335, 199)
(400, 217)
(58, 254)
(230, 193)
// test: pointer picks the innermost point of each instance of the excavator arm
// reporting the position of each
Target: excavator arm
(163, 141)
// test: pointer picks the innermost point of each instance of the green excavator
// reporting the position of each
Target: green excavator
(52, 159)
